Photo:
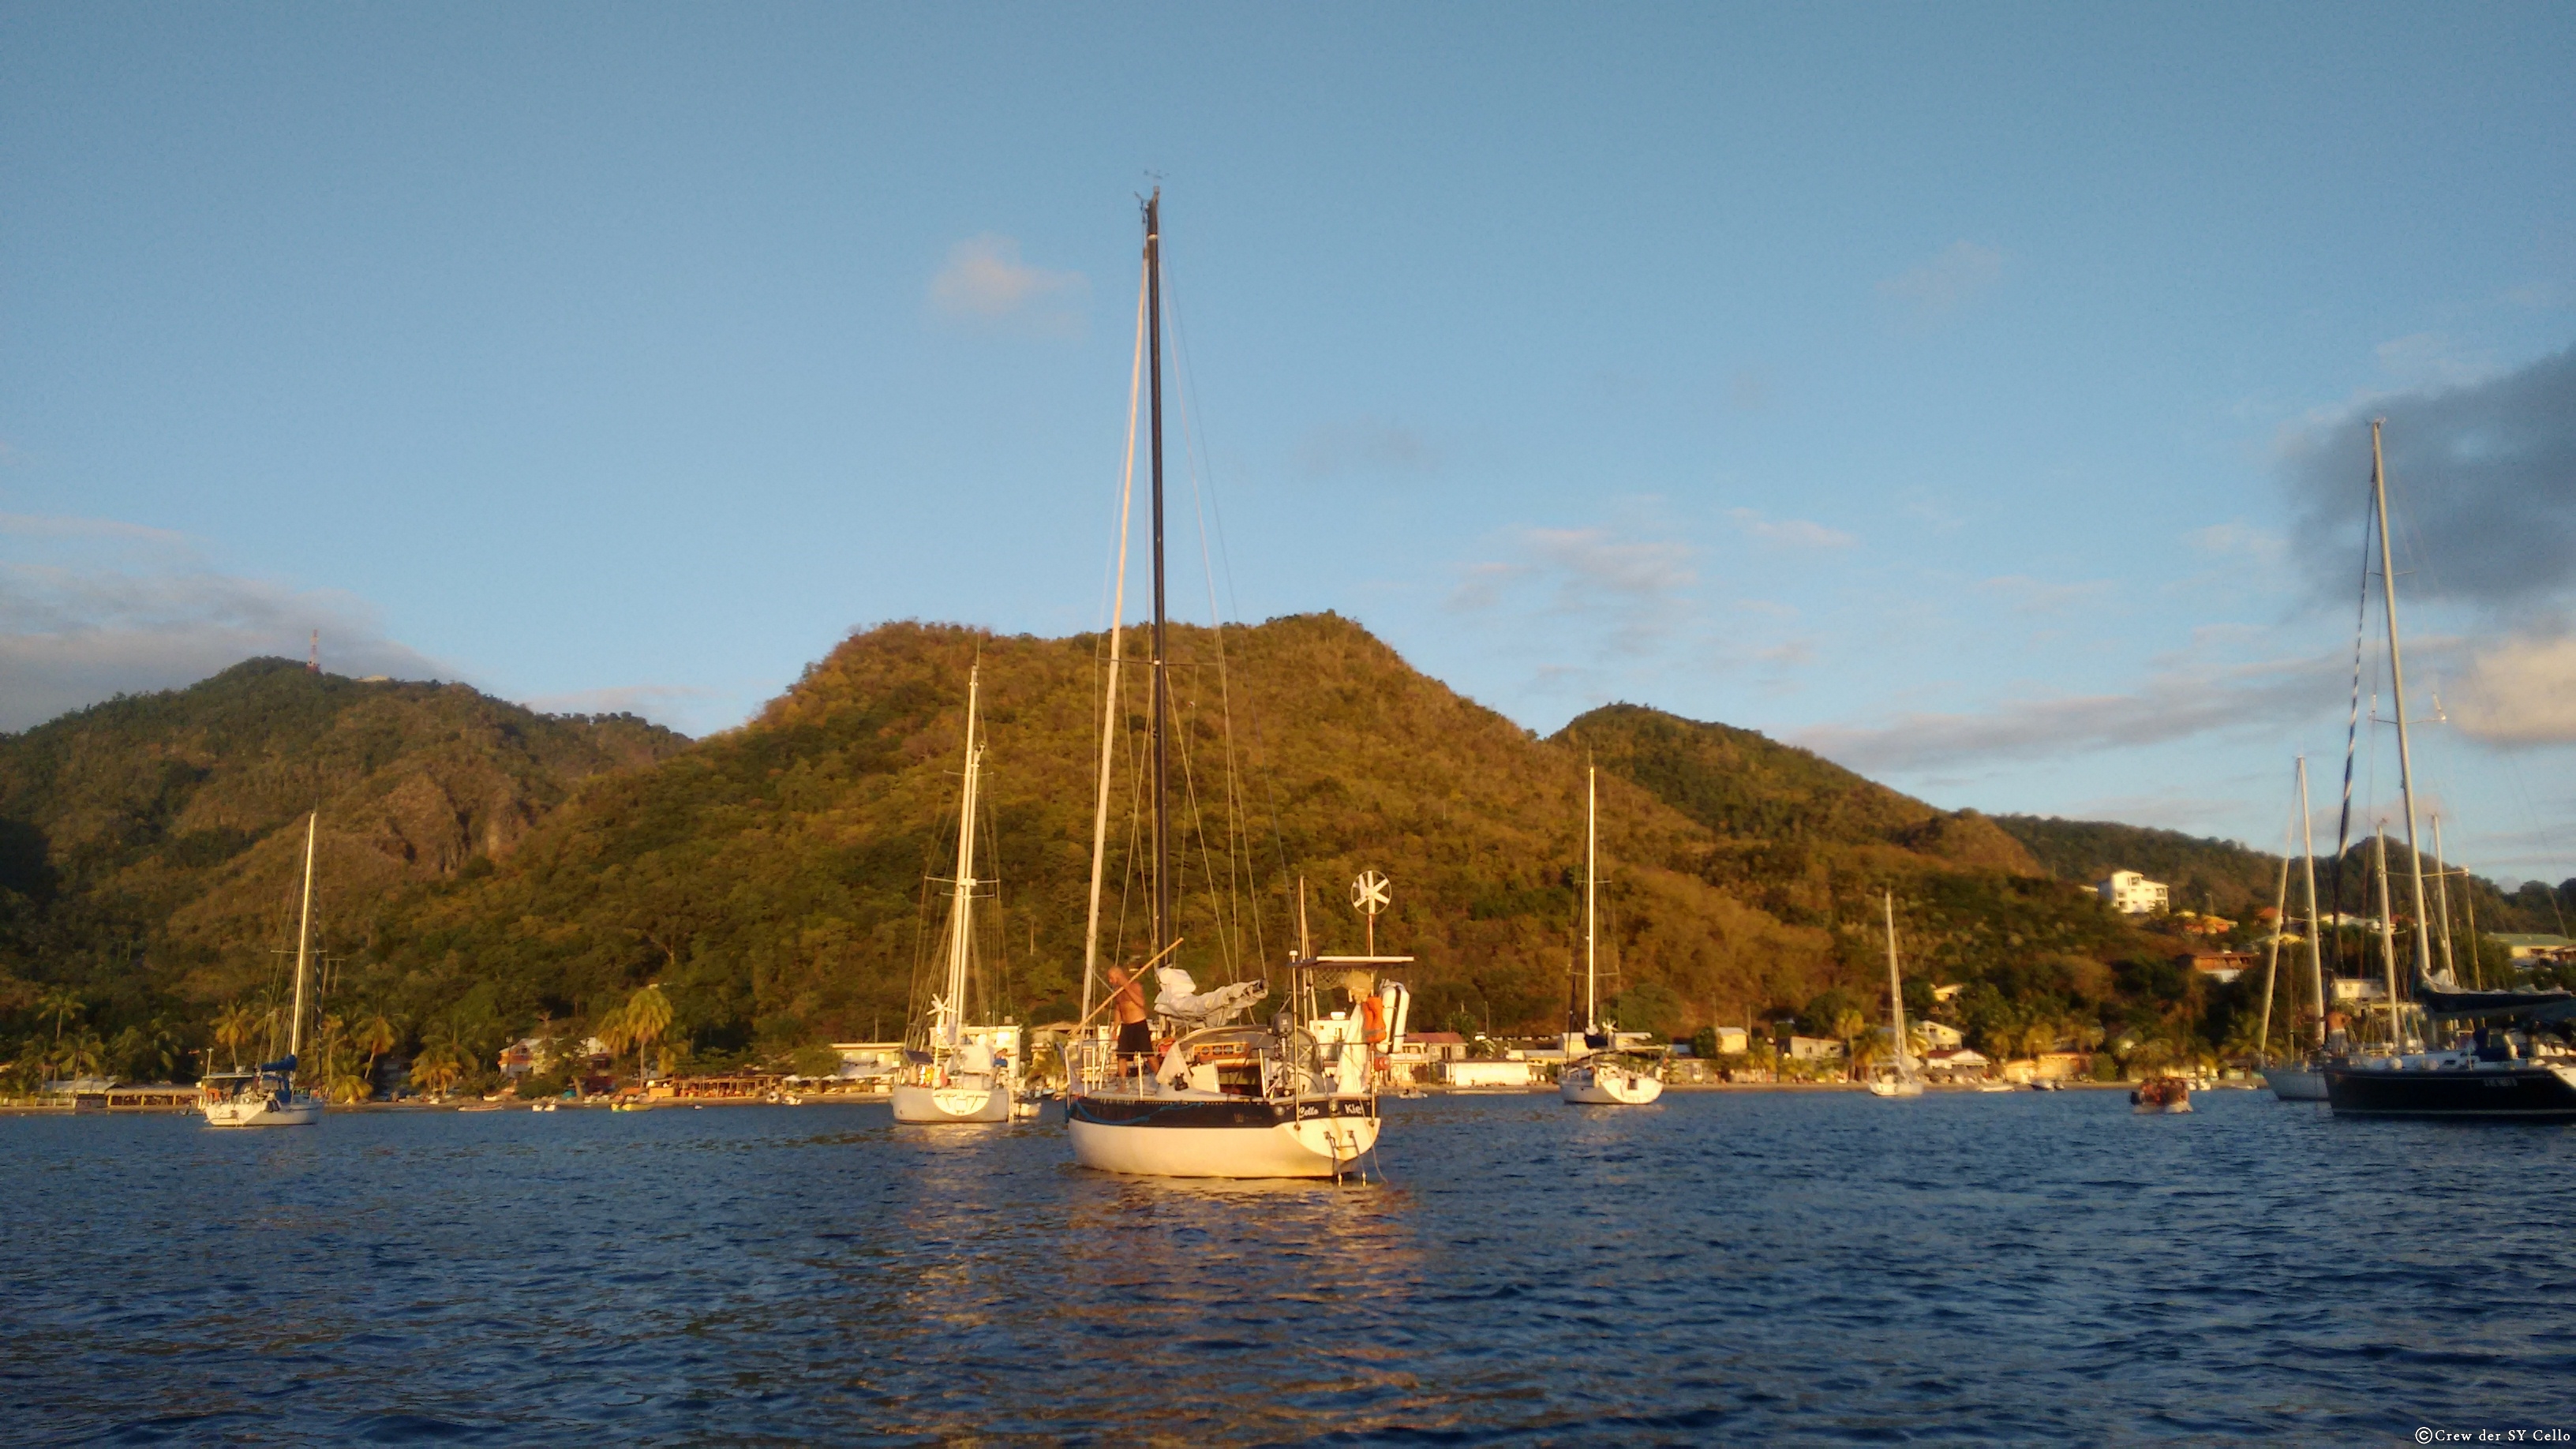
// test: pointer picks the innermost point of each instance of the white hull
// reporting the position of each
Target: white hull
(1316, 1147)
(952, 1104)
(1608, 1086)
(264, 1112)
(2292, 1085)
(1895, 1089)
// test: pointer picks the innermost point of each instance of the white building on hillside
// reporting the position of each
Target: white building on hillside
(2132, 894)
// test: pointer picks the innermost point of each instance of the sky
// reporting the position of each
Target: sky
(1975, 394)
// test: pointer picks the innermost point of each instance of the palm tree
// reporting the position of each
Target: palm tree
(234, 1026)
(62, 1006)
(1849, 1024)
(375, 1037)
(640, 1023)
(350, 1084)
(437, 1068)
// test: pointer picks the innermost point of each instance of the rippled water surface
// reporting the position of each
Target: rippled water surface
(1724, 1267)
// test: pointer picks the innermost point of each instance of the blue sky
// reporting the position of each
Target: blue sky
(1967, 392)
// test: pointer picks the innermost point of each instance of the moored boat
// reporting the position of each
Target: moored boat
(2161, 1095)
(266, 1096)
(1597, 1073)
(955, 1069)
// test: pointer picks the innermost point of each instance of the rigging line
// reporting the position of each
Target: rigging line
(1228, 941)
(1198, 461)
(1184, 370)
(2352, 727)
(1110, 703)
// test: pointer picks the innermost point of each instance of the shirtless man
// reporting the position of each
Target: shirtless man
(1135, 1038)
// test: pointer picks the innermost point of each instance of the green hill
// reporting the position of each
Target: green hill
(483, 867)
(150, 846)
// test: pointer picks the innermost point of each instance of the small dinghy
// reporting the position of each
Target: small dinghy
(2161, 1094)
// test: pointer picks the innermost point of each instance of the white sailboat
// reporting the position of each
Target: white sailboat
(1595, 1074)
(2303, 1080)
(956, 1070)
(1297, 1097)
(266, 1095)
(1904, 1080)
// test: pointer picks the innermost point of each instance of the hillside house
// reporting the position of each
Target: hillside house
(1813, 1049)
(1955, 1064)
(2132, 894)
(2218, 965)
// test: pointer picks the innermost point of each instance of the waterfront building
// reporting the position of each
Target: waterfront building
(1956, 1064)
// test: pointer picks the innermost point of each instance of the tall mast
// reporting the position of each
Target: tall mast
(2272, 958)
(2442, 896)
(2308, 867)
(2469, 909)
(1896, 995)
(961, 905)
(2397, 687)
(1162, 680)
(2387, 929)
(303, 940)
(1110, 702)
(1591, 849)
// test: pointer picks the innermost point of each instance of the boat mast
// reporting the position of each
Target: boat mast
(303, 940)
(2397, 687)
(2272, 958)
(1162, 680)
(961, 905)
(2387, 928)
(1896, 995)
(2442, 896)
(1110, 701)
(2308, 866)
(1591, 848)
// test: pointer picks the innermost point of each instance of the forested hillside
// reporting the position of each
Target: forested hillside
(483, 868)
(150, 847)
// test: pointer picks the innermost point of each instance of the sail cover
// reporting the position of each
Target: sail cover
(2442, 996)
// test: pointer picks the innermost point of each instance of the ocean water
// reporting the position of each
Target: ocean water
(1732, 1267)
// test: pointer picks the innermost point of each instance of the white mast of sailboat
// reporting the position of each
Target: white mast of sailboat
(303, 939)
(961, 904)
(1117, 652)
(1896, 995)
(2308, 867)
(2442, 896)
(1591, 851)
(2397, 687)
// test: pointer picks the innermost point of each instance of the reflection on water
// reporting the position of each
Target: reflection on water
(1716, 1267)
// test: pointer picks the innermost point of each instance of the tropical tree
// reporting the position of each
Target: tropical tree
(438, 1068)
(62, 1006)
(347, 1083)
(375, 1036)
(638, 1024)
(1849, 1024)
(82, 1056)
(235, 1025)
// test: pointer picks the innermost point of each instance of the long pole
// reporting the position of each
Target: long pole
(1591, 850)
(2442, 897)
(2397, 688)
(1162, 679)
(961, 905)
(2469, 908)
(1109, 705)
(2308, 867)
(2272, 958)
(303, 940)
(1896, 994)
(2387, 929)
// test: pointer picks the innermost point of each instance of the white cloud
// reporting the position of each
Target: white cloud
(984, 281)
(1629, 594)
(1958, 275)
(106, 608)
(1789, 532)
(2520, 692)
(2239, 540)
(2176, 703)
